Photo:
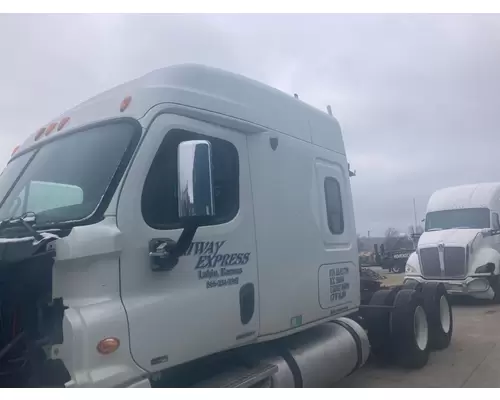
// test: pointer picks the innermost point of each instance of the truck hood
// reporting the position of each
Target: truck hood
(458, 237)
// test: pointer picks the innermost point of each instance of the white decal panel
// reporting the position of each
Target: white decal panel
(336, 285)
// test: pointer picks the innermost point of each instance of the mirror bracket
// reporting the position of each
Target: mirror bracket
(165, 253)
(491, 232)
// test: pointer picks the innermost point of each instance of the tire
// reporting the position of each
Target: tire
(439, 312)
(495, 285)
(410, 330)
(398, 268)
(378, 324)
(417, 286)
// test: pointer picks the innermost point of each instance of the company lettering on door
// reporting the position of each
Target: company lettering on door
(213, 263)
(338, 286)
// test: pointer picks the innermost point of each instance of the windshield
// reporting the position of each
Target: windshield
(66, 179)
(11, 173)
(472, 218)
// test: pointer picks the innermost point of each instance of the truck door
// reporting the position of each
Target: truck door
(208, 301)
(338, 276)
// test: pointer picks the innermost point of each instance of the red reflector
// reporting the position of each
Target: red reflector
(108, 345)
(50, 128)
(39, 134)
(125, 103)
(63, 122)
(15, 150)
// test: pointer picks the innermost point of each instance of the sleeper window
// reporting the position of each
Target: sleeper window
(334, 210)
(159, 196)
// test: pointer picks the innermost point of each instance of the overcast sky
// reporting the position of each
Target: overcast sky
(417, 96)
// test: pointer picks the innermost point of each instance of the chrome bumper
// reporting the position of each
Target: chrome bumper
(474, 286)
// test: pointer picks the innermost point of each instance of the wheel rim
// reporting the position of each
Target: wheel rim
(444, 314)
(421, 330)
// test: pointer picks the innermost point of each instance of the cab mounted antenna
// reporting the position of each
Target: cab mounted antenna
(329, 109)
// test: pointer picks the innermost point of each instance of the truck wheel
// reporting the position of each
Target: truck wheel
(378, 323)
(438, 308)
(495, 285)
(417, 286)
(398, 268)
(410, 330)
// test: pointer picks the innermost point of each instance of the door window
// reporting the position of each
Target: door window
(159, 196)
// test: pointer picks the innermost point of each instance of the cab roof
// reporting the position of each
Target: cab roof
(209, 89)
(476, 195)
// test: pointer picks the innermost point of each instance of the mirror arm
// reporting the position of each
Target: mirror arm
(185, 240)
(166, 253)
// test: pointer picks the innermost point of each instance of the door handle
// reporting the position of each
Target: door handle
(165, 253)
(159, 252)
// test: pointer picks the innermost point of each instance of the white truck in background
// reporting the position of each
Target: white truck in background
(202, 235)
(461, 243)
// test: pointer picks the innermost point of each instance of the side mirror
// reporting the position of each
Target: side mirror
(490, 232)
(195, 182)
(195, 202)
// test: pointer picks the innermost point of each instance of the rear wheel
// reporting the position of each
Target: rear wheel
(410, 330)
(378, 323)
(411, 284)
(440, 315)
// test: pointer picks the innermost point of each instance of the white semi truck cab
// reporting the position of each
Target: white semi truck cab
(461, 243)
(191, 227)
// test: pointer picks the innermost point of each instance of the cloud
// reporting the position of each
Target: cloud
(416, 95)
